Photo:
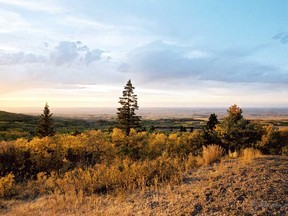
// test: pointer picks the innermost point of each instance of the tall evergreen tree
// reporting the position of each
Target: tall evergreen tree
(212, 122)
(209, 132)
(45, 124)
(126, 115)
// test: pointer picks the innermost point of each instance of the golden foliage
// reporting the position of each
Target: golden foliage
(102, 162)
(6, 185)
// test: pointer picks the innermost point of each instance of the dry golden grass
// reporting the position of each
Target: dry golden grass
(212, 153)
(217, 170)
(234, 154)
(249, 154)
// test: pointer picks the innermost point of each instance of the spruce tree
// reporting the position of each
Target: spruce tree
(212, 122)
(45, 124)
(209, 132)
(126, 115)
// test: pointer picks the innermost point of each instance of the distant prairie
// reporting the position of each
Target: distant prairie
(156, 112)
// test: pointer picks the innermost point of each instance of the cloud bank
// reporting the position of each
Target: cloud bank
(156, 64)
(162, 61)
(65, 53)
(70, 52)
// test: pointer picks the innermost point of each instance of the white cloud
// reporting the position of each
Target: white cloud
(65, 53)
(50, 6)
(80, 22)
(12, 21)
(20, 58)
(195, 54)
(68, 52)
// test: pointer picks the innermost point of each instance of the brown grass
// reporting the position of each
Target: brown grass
(249, 154)
(234, 154)
(212, 153)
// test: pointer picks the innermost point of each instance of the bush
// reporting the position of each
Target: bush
(285, 150)
(6, 185)
(119, 175)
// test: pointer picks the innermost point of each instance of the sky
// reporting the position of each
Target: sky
(184, 53)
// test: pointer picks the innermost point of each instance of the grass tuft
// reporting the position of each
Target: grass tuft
(212, 153)
(249, 154)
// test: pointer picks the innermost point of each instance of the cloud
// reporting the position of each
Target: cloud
(65, 53)
(68, 63)
(68, 52)
(40, 5)
(158, 61)
(20, 58)
(81, 22)
(282, 37)
(12, 21)
(93, 55)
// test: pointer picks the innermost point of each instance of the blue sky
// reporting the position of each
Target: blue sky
(177, 53)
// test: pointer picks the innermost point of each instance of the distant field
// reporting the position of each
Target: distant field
(156, 112)
(70, 120)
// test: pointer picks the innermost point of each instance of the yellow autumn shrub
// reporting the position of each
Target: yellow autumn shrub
(6, 185)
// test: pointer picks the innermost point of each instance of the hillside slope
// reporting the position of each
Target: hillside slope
(8, 116)
(14, 126)
(232, 187)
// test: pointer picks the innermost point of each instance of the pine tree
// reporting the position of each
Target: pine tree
(212, 122)
(45, 124)
(126, 116)
(209, 132)
(236, 132)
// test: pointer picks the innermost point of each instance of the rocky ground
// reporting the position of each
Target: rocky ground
(232, 187)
